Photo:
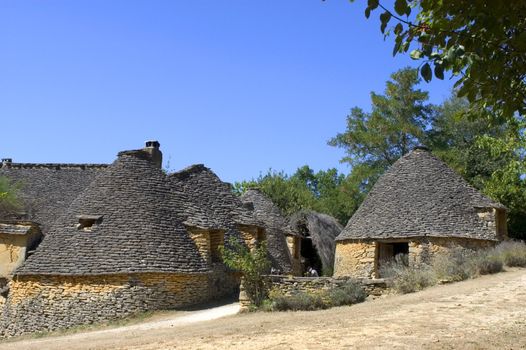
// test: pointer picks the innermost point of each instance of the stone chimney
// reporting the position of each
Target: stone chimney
(152, 147)
(6, 162)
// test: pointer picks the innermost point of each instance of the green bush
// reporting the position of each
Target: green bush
(489, 261)
(253, 264)
(351, 292)
(513, 253)
(300, 301)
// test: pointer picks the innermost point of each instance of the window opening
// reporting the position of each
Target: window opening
(87, 222)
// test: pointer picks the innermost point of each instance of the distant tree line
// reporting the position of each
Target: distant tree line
(489, 152)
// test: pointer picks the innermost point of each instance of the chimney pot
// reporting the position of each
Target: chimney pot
(153, 144)
(152, 147)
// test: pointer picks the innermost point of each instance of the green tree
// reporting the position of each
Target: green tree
(8, 195)
(489, 155)
(253, 265)
(397, 122)
(507, 184)
(454, 139)
(483, 44)
(324, 191)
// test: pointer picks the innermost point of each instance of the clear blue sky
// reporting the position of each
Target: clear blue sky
(241, 86)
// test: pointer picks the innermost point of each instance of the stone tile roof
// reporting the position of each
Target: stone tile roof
(15, 228)
(208, 201)
(276, 228)
(48, 189)
(137, 227)
(322, 229)
(420, 196)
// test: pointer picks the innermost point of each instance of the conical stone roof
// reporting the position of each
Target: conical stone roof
(140, 227)
(420, 196)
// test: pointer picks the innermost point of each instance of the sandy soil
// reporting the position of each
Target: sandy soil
(485, 313)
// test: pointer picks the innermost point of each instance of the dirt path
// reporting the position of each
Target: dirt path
(485, 313)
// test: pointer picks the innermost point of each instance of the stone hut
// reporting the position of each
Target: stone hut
(18, 239)
(418, 208)
(46, 189)
(135, 239)
(280, 237)
(316, 243)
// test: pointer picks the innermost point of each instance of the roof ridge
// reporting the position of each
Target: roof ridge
(55, 166)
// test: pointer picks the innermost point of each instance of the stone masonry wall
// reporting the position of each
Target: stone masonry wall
(425, 249)
(355, 259)
(287, 285)
(358, 259)
(45, 303)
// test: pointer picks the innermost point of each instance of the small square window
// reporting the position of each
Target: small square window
(87, 222)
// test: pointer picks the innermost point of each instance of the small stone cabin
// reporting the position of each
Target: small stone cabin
(134, 239)
(18, 239)
(317, 240)
(419, 208)
(308, 235)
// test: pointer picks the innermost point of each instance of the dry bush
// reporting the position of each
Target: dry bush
(513, 253)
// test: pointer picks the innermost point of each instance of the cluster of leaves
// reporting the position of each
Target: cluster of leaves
(8, 195)
(396, 124)
(252, 264)
(323, 191)
(490, 153)
(483, 44)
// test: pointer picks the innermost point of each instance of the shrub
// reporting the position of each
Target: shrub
(406, 279)
(253, 264)
(458, 265)
(351, 292)
(300, 301)
(489, 261)
(513, 253)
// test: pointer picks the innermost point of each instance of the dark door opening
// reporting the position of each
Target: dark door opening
(389, 253)
(310, 256)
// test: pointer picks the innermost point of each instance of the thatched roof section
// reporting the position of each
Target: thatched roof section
(421, 196)
(276, 228)
(322, 229)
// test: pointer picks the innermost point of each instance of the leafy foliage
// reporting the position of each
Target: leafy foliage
(374, 141)
(483, 44)
(8, 195)
(253, 265)
(324, 191)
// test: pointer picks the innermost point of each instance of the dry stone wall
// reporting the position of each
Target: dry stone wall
(287, 285)
(358, 258)
(46, 303)
(355, 259)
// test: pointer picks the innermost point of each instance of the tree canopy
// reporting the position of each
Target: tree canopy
(482, 43)
(396, 124)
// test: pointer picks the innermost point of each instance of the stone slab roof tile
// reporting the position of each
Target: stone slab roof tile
(48, 189)
(140, 229)
(420, 196)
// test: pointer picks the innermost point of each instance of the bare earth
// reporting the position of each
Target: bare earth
(485, 313)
